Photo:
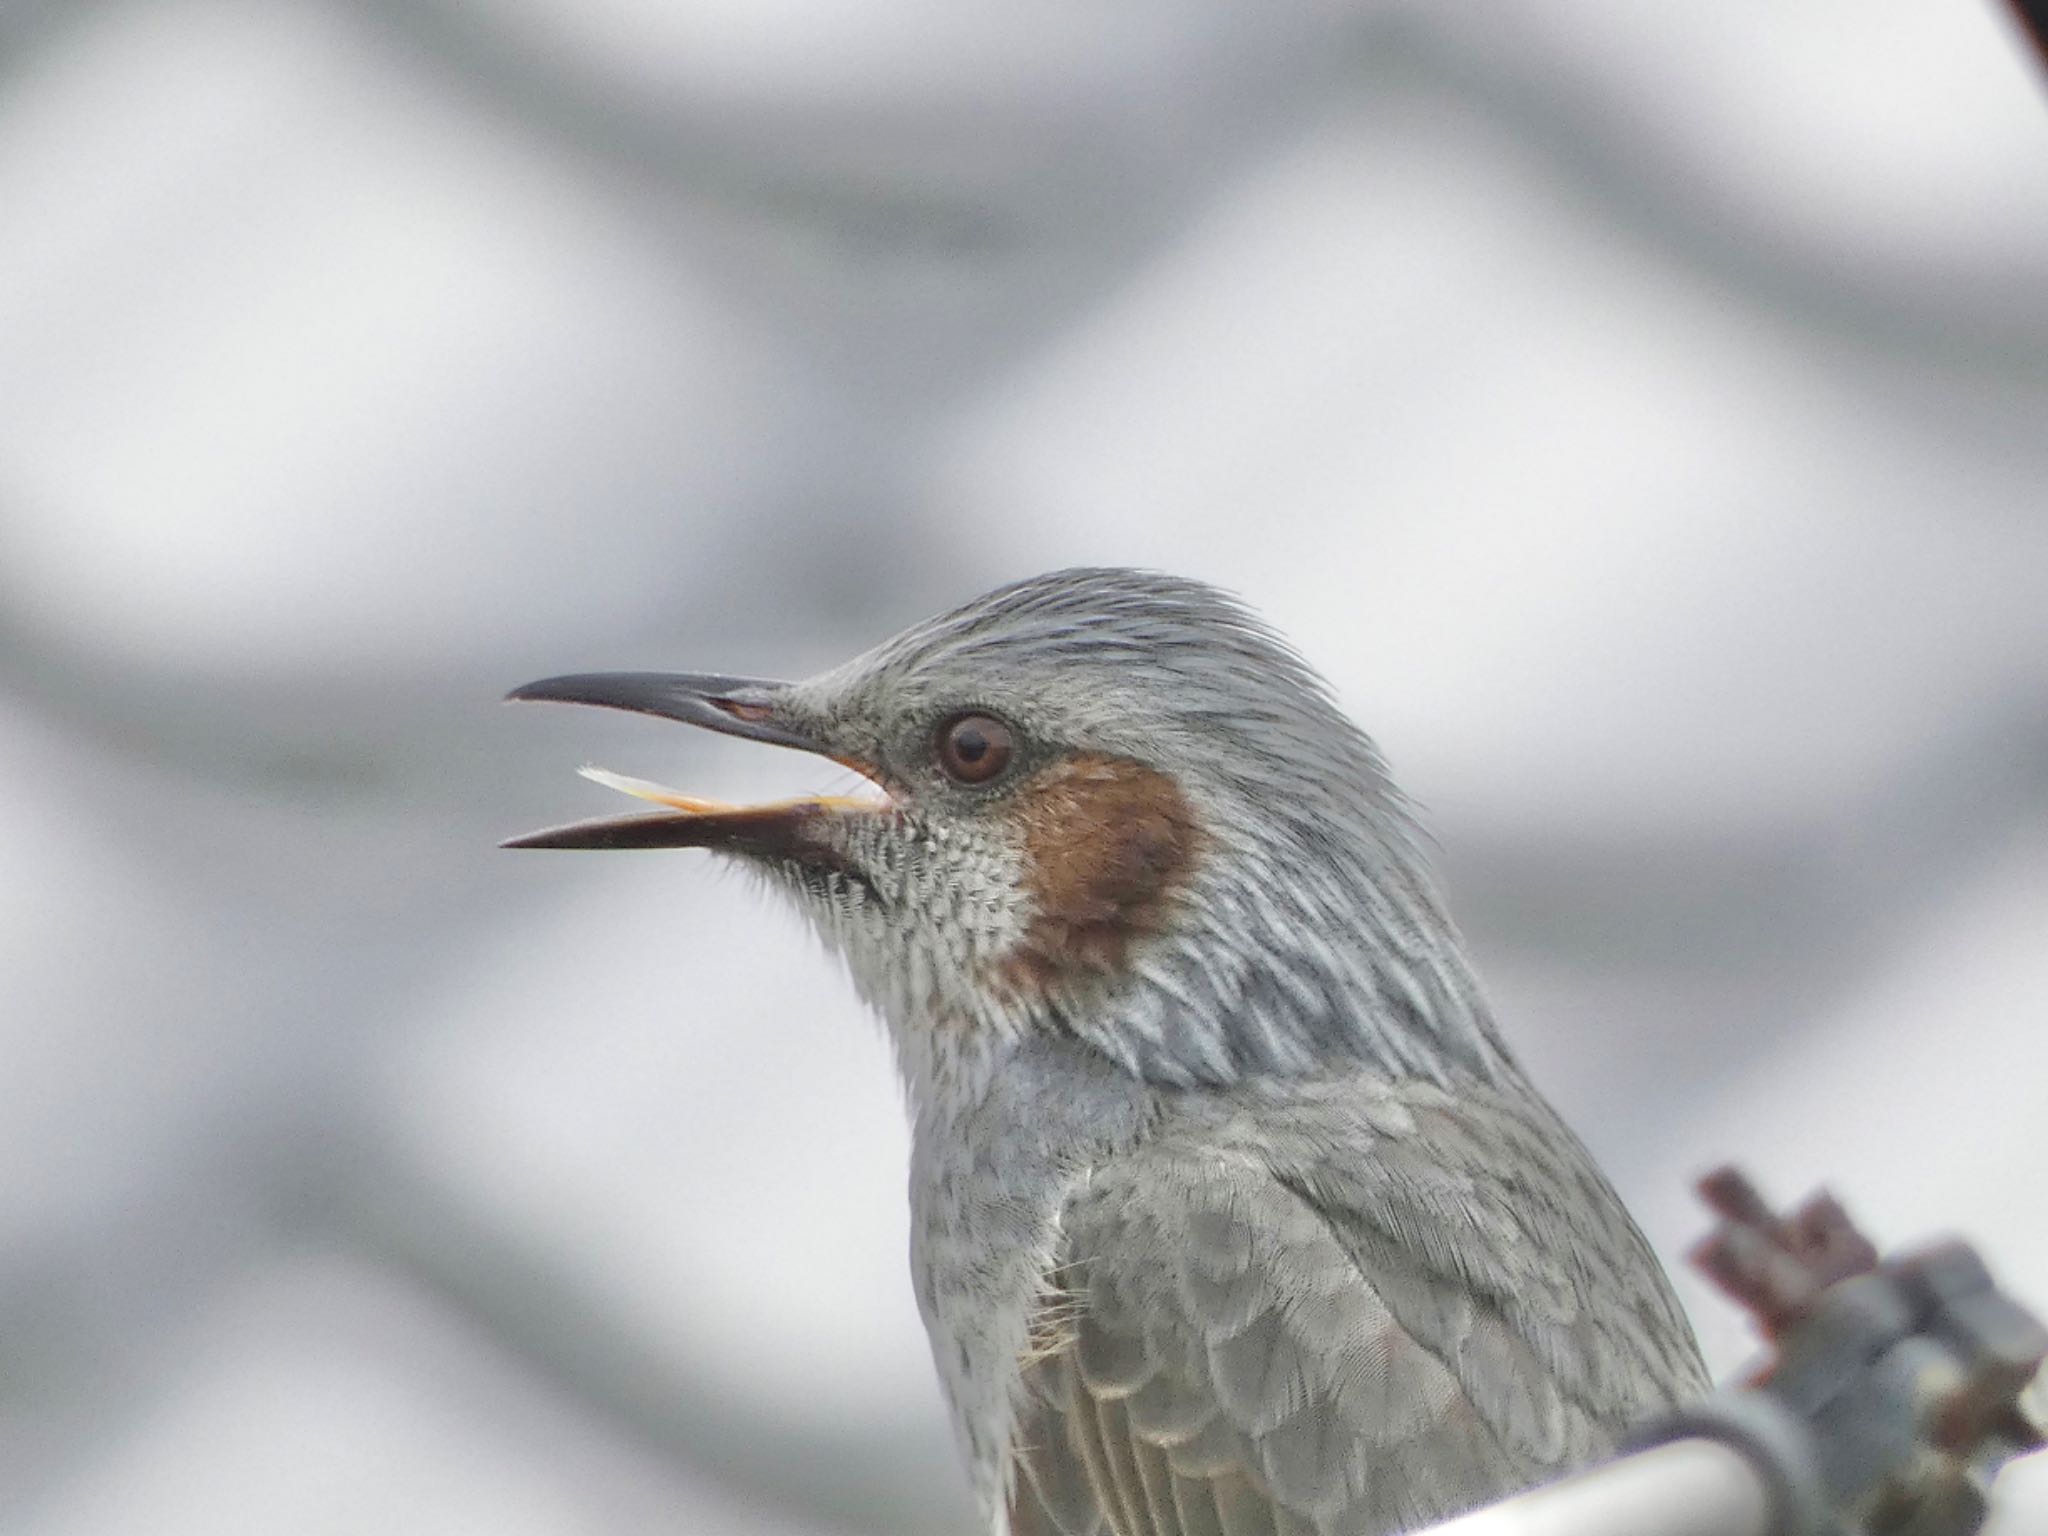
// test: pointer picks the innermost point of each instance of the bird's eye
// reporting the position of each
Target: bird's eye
(974, 748)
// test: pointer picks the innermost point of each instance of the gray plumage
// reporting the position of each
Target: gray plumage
(1353, 1306)
(1232, 1215)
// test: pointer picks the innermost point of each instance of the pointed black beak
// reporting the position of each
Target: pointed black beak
(734, 706)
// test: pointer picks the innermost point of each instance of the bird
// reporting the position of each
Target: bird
(1232, 1213)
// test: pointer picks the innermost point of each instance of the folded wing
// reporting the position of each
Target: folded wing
(1293, 1333)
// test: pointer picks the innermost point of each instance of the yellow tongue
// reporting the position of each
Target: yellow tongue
(660, 794)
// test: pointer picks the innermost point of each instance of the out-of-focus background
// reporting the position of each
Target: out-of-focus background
(1641, 412)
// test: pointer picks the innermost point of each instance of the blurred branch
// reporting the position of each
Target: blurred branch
(869, 1477)
(1954, 321)
(1949, 320)
(1030, 234)
(28, 27)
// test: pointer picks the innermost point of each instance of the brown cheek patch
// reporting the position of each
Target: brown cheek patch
(1108, 843)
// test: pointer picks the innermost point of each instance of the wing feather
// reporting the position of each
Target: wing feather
(1119, 1456)
(1194, 1501)
(1358, 1310)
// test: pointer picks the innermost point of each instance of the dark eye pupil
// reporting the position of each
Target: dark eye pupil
(974, 749)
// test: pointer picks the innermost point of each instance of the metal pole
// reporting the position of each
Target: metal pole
(1686, 1488)
(1898, 1388)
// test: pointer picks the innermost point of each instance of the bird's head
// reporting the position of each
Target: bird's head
(1109, 805)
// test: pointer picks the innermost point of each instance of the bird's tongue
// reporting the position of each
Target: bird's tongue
(689, 822)
(660, 794)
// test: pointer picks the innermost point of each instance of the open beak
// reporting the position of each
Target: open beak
(733, 706)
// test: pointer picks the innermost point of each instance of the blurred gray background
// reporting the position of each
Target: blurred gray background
(1639, 411)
